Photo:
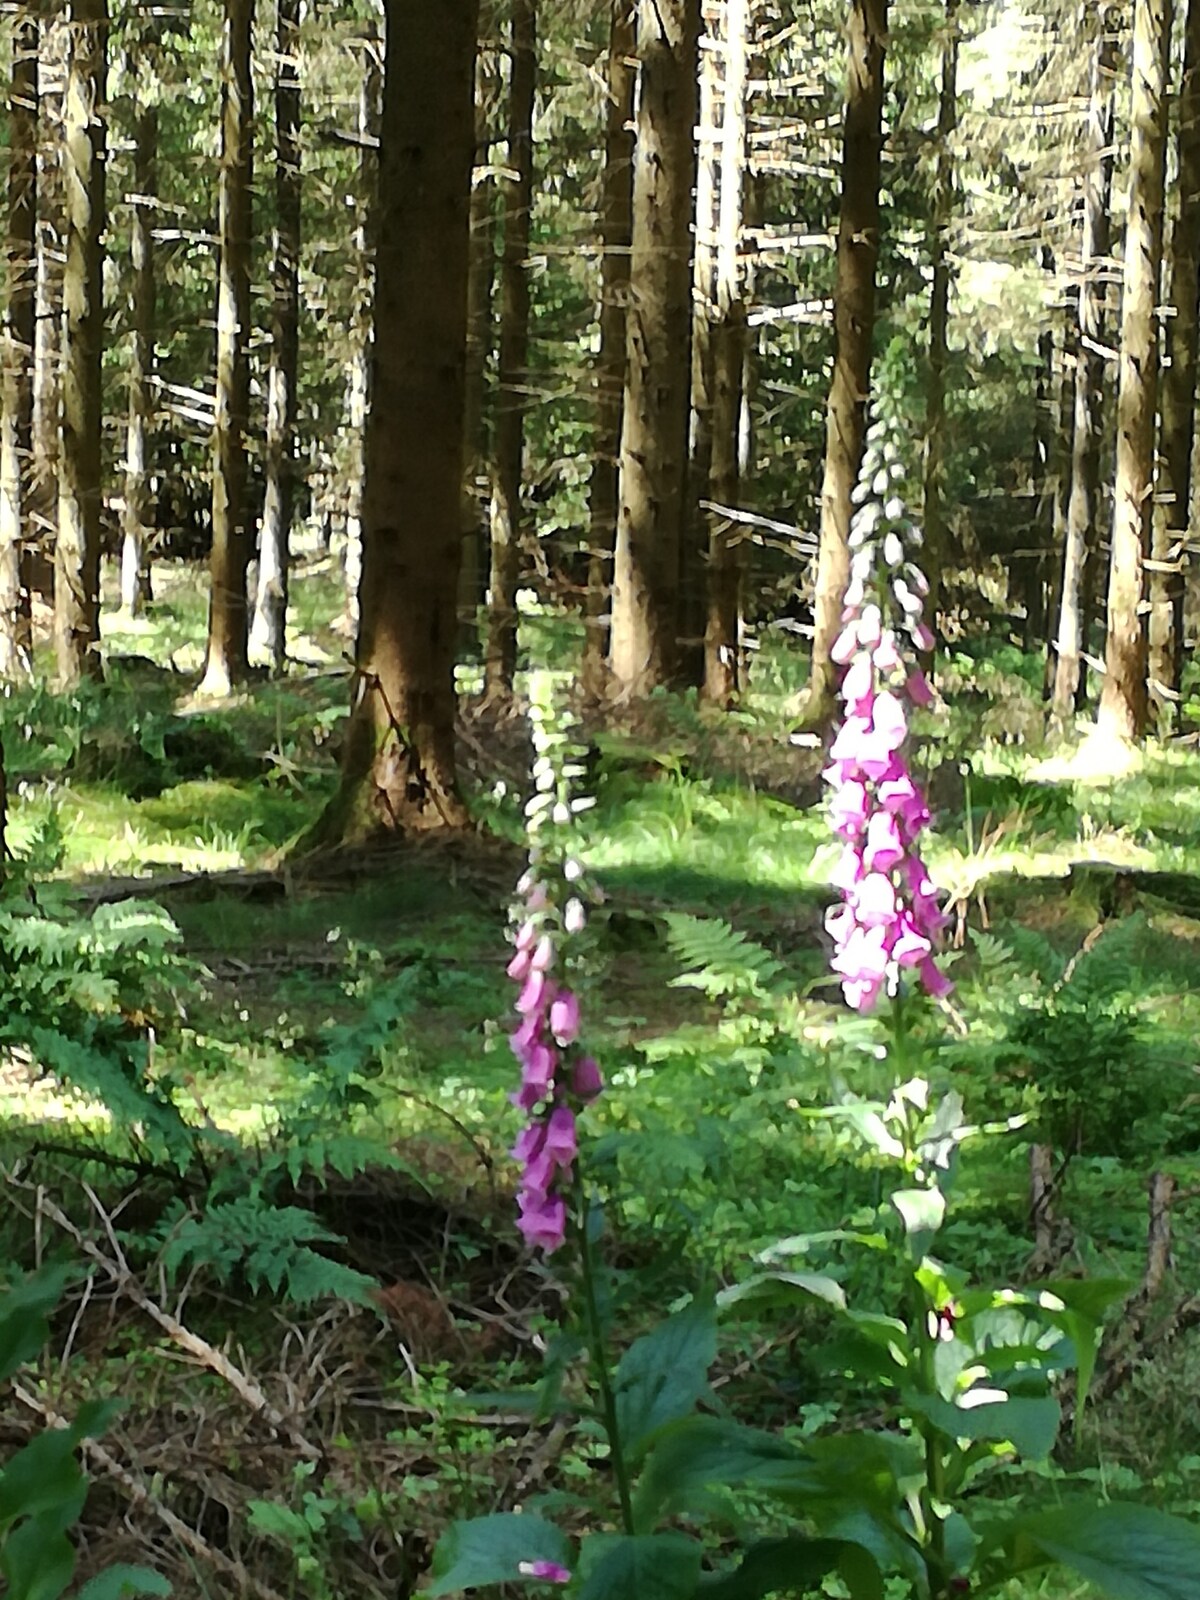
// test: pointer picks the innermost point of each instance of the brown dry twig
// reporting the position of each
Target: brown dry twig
(140, 1495)
(201, 1351)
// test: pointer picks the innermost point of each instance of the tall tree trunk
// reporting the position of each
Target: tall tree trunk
(398, 768)
(77, 547)
(480, 284)
(1082, 539)
(512, 377)
(722, 647)
(1178, 388)
(137, 517)
(269, 630)
(616, 225)
(1123, 702)
(231, 531)
(358, 377)
(854, 324)
(48, 299)
(16, 401)
(654, 429)
(690, 618)
(937, 543)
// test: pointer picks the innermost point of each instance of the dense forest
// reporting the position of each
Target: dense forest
(599, 841)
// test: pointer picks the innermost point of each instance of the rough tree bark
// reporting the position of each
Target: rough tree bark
(358, 376)
(77, 547)
(480, 285)
(512, 371)
(137, 517)
(398, 768)
(722, 644)
(51, 232)
(616, 224)
(16, 400)
(1122, 712)
(937, 543)
(1178, 405)
(654, 429)
(1082, 541)
(231, 533)
(268, 632)
(854, 323)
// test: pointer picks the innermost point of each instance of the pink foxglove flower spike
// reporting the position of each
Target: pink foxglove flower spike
(889, 918)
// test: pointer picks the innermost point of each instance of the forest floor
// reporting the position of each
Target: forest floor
(337, 1025)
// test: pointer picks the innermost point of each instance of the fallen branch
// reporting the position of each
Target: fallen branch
(140, 1495)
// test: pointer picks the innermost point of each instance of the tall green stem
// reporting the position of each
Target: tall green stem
(600, 1373)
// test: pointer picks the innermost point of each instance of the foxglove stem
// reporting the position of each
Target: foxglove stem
(599, 1360)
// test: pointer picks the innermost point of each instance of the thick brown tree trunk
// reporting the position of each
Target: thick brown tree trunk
(77, 547)
(1178, 391)
(16, 401)
(48, 300)
(654, 430)
(137, 517)
(269, 630)
(616, 225)
(1082, 537)
(480, 286)
(1123, 702)
(854, 323)
(722, 642)
(231, 531)
(937, 542)
(512, 371)
(398, 768)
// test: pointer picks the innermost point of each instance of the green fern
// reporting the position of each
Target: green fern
(718, 960)
(268, 1247)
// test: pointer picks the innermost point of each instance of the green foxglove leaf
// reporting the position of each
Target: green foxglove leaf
(651, 1566)
(487, 1550)
(662, 1375)
(794, 1566)
(120, 1582)
(781, 1288)
(698, 1452)
(1028, 1423)
(1128, 1552)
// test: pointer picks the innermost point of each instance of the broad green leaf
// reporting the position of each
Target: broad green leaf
(663, 1374)
(119, 1582)
(700, 1451)
(1084, 1303)
(651, 1566)
(487, 1550)
(23, 1310)
(800, 1244)
(1128, 1552)
(792, 1566)
(42, 1478)
(38, 1559)
(1029, 1423)
(780, 1288)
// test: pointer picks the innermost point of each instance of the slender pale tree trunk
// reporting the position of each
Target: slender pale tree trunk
(937, 540)
(398, 768)
(77, 547)
(231, 530)
(137, 519)
(512, 376)
(51, 231)
(854, 324)
(358, 378)
(654, 430)
(1082, 539)
(1122, 712)
(616, 225)
(690, 620)
(722, 649)
(16, 401)
(1178, 390)
(268, 633)
(480, 285)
